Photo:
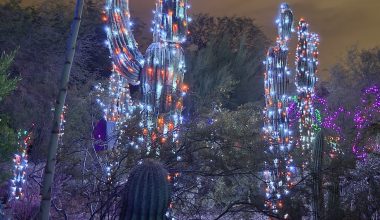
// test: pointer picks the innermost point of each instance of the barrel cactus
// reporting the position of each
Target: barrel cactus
(147, 193)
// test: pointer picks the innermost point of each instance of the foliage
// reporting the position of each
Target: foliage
(6, 83)
(358, 70)
(218, 174)
(7, 146)
(225, 60)
(7, 134)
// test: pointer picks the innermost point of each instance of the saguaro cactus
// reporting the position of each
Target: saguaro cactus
(147, 193)
(279, 170)
(306, 65)
(317, 160)
(159, 74)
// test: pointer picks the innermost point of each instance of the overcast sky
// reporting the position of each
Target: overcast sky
(340, 23)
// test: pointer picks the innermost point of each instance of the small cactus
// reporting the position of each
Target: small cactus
(147, 193)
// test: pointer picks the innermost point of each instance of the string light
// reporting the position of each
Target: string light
(127, 64)
(363, 116)
(279, 171)
(307, 66)
(62, 126)
(161, 71)
(20, 161)
(162, 78)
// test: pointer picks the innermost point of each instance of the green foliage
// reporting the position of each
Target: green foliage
(221, 146)
(224, 60)
(7, 135)
(7, 139)
(6, 83)
(147, 193)
(359, 69)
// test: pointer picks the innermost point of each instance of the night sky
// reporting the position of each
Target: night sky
(340, 23)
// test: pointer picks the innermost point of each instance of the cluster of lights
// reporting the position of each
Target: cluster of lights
(127, 64)
(127, 59)
(163, 91)
(172, 179)
(329, 121)
(306, 65)
(280, 170)
(330, 117)
(20, 164)
(333, 143)
(163, 74)
(62, 126)
(170, 22)
(159, 74)
(363, 116)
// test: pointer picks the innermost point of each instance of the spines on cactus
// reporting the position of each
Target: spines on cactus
(147, 193)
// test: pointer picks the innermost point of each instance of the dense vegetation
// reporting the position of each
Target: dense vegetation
(218, 176)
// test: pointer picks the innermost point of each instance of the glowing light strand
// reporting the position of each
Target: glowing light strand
(127, 59)
(280, 169)
(307, 66)
(127, 64)
(62, 126)
(163, 74)
(20, 164)
(363, 116)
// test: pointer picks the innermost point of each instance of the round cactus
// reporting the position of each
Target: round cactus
(147, 193)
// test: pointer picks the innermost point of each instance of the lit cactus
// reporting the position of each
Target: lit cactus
(279, 170)
(306, 66)
(159, 74)
(147, 193)
(285, 23)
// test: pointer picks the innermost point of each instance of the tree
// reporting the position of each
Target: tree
(7, 134)
(7, 84)
(225, 60)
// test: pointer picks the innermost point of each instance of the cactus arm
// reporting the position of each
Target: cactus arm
(170, 21)
(126, 57)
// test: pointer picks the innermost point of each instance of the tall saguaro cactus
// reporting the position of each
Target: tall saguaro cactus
(306, 65)
(159, 73)
(60, 102)
(311, 146)
(279, 170)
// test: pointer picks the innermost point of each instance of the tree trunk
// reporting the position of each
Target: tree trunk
(53, 144)
(317, 199)
(333, 209)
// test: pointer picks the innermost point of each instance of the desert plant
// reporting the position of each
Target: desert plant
(147, 193)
